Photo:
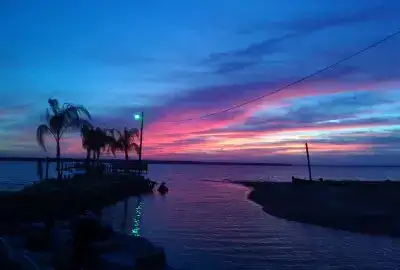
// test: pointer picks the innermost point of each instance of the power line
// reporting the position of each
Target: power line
(292, 83)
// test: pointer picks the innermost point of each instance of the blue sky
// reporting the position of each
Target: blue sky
(182, 59)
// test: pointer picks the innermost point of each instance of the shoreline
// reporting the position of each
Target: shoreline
(41, 217)
(358, 210)
(60, 200)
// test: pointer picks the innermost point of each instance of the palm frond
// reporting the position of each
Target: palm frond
(133, 132)
(57, 123)
(134, 146)
(112, 148)
(118, 132)
(85, 130)
(80, 123)
(87, 136)
(47, 115)
(83, 111)
(77, 124)
(54, 105)
(111, 144)
(41, 131)
(76, 111)
(119, 145)
(115, 133)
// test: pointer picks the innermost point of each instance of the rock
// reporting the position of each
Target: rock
(105, 231)
(14, 259)
(16, 242)
(127, 252)
(154, 260)
(36, 236)
(62, 248)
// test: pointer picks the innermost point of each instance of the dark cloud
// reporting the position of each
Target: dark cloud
(343, 110)
(290, 125)
(186, 142)
(230, 94)
(307, 25)
(201, 101)
(322, 20)
(254, 50)
(344, 72)
(382, 148)
(246, 58)
(252, 55)
(234, 66)
(339, 108)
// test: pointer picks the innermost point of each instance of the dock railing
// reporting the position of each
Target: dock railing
(46, 169)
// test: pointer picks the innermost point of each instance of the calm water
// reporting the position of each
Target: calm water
(204, 224)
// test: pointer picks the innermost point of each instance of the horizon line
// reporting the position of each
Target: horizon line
(188, 162)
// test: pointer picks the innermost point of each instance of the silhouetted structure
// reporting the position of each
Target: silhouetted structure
(125, 141)
(95, 141)
(61, 119)
(308, 163)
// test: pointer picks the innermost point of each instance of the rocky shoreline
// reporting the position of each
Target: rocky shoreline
(361, 209)
(62, 199)
(38, 247)
(37, 224)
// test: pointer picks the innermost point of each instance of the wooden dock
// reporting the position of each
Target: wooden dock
(130, 166)
(70, 166)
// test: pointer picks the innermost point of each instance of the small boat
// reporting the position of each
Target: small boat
(162, 189)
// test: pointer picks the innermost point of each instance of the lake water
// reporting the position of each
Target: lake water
(206, 223)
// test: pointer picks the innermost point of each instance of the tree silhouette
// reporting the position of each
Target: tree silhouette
(61, 119)
(97, 140)
(126, 141)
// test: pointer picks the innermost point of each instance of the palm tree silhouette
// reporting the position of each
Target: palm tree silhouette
(126, 141)
(61, 119)
(96, 140)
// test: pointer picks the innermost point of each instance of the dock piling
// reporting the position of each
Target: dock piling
(47, 168)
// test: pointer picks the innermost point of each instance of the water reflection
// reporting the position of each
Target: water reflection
(211, 225)
(137, 217)
(125, 215)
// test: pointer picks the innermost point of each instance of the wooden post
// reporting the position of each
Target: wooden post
(62, 169)
(308, 162)
(47, 168)
(40, 169)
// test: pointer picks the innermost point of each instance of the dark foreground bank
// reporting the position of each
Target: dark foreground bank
(85, 243)
(60, 200)
(41, 226)
(367, 209)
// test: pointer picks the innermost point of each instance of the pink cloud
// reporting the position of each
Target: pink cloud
(212, 136)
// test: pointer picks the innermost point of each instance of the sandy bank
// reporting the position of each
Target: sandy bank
(364, 209)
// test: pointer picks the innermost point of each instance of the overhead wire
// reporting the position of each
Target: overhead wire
(290, 84)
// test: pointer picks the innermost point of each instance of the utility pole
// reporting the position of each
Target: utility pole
(308, 162)
(141, 118)
(141, 137)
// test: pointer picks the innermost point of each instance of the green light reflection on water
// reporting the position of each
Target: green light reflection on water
(137, 217)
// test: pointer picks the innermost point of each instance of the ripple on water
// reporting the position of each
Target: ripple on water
(213, 226)
(205, 225)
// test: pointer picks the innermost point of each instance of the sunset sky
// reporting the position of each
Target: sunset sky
(181, 59)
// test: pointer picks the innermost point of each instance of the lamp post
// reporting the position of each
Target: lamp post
(139, 116)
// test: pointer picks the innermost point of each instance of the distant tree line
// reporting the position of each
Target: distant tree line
(68, 117)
